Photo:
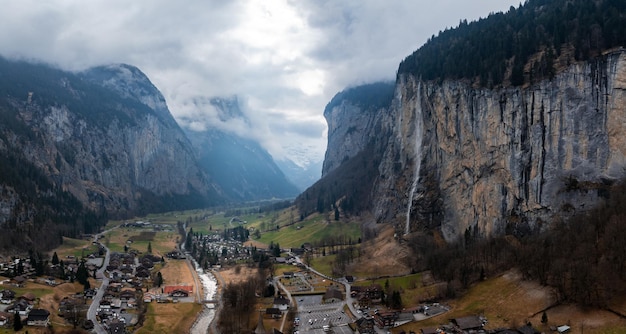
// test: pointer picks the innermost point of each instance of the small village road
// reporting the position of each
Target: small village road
(93, 308)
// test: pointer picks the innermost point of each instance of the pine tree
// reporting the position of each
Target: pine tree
(17, 322)
(159, 279)
(149, 247)
(55, 259)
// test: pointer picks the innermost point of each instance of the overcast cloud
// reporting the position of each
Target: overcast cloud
(285, 59)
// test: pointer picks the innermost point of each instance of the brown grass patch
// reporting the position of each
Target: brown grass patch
(50, 302)
(237, 274)
(143, 236)
(509, 301)
(254, 243)
(381, 256)
(581, 320)
(169, 318)
(177, 272)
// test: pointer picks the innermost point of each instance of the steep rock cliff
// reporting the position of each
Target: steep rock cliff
(351, 117)
(492, 161)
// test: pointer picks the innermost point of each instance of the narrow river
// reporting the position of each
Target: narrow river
(209, 285)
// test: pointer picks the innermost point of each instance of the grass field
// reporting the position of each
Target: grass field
(312, 231)
(74, 247)
(169, 318)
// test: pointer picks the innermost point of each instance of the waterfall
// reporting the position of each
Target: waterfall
(417, 133)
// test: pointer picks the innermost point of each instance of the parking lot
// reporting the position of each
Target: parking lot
(313, 315)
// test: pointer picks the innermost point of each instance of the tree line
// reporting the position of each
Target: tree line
(583, 258)
(495, 50)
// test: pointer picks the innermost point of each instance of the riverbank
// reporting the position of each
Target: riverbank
(209, 287)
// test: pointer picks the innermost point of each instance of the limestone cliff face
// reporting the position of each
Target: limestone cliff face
(352, 118)
(350, 129)
(505, 159)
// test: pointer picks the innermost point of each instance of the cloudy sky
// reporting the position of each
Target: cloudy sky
(285, 59)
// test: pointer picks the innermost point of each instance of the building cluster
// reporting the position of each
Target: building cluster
(24, 307)
(475, 324)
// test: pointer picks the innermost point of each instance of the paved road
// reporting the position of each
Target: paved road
(91, 313)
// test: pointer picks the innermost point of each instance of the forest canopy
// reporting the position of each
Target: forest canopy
(521, 45)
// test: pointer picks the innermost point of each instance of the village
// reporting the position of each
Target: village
(121, 283)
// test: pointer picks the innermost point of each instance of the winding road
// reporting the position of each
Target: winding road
(93, 308)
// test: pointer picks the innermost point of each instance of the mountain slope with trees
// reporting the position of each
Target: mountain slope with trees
(524, 45)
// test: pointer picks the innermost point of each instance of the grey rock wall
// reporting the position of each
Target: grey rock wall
(504, 159)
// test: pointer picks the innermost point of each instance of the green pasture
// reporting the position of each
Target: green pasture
(312, 231)
(75, 247)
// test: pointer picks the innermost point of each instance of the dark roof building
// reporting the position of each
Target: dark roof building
(468, 323)
(38, 317)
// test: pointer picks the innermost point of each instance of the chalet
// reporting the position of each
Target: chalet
(281, 303)
(350, 279)
(332, 295)
(365, 325)
(7, 296)
(179, 293)
(38, 317)
(367, 295)
(29, 297)
(142, 272)
(19, 280)
(116, 303)
(127, 295)
(169, 289)
(148, 297)
(20, 306)
(105, 304)
(297, 251)
(50, 281)
(469, 323)
(288, 274)
(4, 318)
(108, 296)
(386, 319)
(273, 312)
(90, 293)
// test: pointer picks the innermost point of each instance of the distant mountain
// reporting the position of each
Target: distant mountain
(301, 176)
(76, 148)
(240, 166)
